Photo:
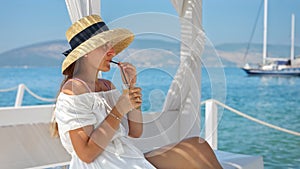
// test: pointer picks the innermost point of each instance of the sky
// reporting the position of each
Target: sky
(26, 22)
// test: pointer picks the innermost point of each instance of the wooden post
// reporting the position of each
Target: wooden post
(211, 124)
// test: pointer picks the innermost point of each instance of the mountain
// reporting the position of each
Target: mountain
(37, 55)
(145, 53)
(235, 52)
(152, 53)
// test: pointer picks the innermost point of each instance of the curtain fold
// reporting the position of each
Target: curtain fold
(80, 8)
(185, 90)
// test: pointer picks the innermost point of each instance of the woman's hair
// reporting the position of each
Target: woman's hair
(69, 72)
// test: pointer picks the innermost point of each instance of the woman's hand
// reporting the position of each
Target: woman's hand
(129, 100)
(130, 73)
(135, 95)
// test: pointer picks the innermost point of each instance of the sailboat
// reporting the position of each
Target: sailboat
(275, 66)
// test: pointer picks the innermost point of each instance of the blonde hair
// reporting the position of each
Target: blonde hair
(54, 128)
(68, 75)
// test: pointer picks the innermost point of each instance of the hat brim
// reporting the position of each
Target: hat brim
(119, 38)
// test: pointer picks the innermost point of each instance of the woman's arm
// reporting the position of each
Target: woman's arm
(88, 142)
(135, 123)
(135, 119)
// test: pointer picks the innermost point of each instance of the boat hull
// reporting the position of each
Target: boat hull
(273, 72)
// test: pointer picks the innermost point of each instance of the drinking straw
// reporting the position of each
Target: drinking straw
(118, 63)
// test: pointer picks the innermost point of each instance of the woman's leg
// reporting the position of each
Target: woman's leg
(189, 153)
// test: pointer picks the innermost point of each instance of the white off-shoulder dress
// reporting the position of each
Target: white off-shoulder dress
(76, 111)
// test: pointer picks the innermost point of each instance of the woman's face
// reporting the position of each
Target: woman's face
(100, 58)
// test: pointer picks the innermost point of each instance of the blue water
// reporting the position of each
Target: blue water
(270, 98)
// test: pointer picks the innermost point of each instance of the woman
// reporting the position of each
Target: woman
(91, 113)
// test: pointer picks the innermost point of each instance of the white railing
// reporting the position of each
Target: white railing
(211, 121)
(211, 114)
(19, 98)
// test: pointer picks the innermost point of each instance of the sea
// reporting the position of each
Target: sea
(273, 99)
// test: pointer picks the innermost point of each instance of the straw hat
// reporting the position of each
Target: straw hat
(89, 33)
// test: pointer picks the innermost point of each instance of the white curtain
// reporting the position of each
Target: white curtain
(80, 8)
(184, 94)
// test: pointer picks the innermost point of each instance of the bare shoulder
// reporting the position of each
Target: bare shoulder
(107, 83)
(74, 87)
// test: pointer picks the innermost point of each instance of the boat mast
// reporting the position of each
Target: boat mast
(265, 31)
(292, 38)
